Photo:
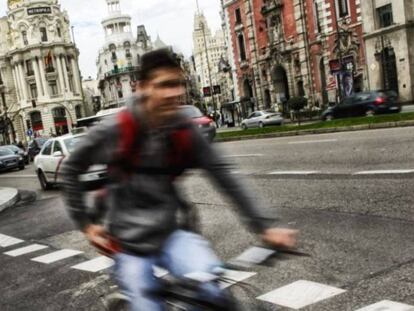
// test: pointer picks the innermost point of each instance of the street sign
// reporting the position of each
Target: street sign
(216, 89)
(29, 132)
(207, 91)
(335, 66)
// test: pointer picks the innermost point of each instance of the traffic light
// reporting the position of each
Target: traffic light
(207, 91)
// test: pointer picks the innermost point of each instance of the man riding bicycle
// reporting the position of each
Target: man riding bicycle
(146, 147)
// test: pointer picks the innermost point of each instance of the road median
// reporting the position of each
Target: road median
(8, 197)
(342, 125)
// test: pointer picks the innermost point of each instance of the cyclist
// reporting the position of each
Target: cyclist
(146, 147)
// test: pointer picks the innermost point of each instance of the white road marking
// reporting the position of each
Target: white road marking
(312, 141)
(379, 172)
(233, 276)
(293, 172)
(159, 272)
(255, 155)
(95, 265)
(26, 250)
(18, 176)
(6, 240)
(301, 294)
(56, 256)
(387, 305)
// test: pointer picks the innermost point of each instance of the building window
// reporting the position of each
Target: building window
(29, 68)
(114, 57)
(342, 7)
(33, 90)
(78, 111)
(318, 27)
(43, 34)
(1, 79)
(242, 48)
(24, 37)
(238, 16)
(53, 88)
(385, 16)
(59, 33)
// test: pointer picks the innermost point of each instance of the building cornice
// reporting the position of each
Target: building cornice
(388, 30)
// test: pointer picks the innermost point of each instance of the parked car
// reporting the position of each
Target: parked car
(19, 151)
(262, 119)
(364, 104)
(49, 161)
(34, 146)
(205, 124)
(9, 160)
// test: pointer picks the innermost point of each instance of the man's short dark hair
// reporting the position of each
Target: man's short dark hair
(158, 59)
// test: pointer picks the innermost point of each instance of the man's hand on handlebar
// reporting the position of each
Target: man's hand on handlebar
(281, 238)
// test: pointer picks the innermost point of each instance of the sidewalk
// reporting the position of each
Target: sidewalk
(8, 197)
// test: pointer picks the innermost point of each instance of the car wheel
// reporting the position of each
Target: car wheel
(244, 126)
(43, 182)
(329, 117)
(370, 113)
(261, 125)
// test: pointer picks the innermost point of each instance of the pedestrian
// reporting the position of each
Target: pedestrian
(147, 146)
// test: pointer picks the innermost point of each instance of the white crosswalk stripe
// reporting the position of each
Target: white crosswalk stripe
(293, 172)
(300, 294)
(6, 241)
(387, 305)
(383, 172)
(95, 265)
(26, 250)
(56, 256)
(233, 277)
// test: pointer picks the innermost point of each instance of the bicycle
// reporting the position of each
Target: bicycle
(184, 293)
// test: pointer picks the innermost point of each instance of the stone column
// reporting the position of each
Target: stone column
(23, 82)
(76, 76)
(65, 73)
(60, 73)
(39, 86)
(16, 84)
(43, 78)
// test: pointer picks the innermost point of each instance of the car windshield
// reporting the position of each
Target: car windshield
(41, 141)
(72, 142)
(13, 148)
(5, 152)
(192, 112)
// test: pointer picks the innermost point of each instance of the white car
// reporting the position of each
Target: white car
(48, 162)
(261, 119)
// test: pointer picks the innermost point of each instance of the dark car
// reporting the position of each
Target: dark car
(34, 147)
(20, 152)
(9, 160)
(364, 104)
(205, 124)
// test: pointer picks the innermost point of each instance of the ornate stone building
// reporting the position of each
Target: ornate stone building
(119, 57)
(209, 51)
(389, 40)
(39, 68)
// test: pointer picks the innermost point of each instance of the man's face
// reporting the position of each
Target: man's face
(164, 90)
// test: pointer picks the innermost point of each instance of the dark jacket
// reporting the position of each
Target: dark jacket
(143, 207)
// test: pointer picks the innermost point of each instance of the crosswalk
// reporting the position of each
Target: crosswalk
(297, 295)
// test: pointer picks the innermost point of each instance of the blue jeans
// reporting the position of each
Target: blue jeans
(184, 252)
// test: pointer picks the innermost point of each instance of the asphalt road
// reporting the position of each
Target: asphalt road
(350, 194)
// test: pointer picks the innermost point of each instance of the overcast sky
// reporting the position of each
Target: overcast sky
(171, 19)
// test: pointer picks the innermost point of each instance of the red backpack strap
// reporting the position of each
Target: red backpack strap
(128, 151)
(182, 148)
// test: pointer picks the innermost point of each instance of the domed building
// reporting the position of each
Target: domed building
(39, 68)
(119, 57)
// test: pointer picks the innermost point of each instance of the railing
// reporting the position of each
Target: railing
(118, 71)
(271, 5)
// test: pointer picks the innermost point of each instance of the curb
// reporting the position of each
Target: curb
(8, 197)
(372, 126)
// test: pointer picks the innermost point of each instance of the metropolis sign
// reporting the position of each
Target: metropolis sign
(39, 10)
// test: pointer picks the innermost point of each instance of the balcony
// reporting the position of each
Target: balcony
(50, 69)
(30, 73)
(120, 71)
(271, 5)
